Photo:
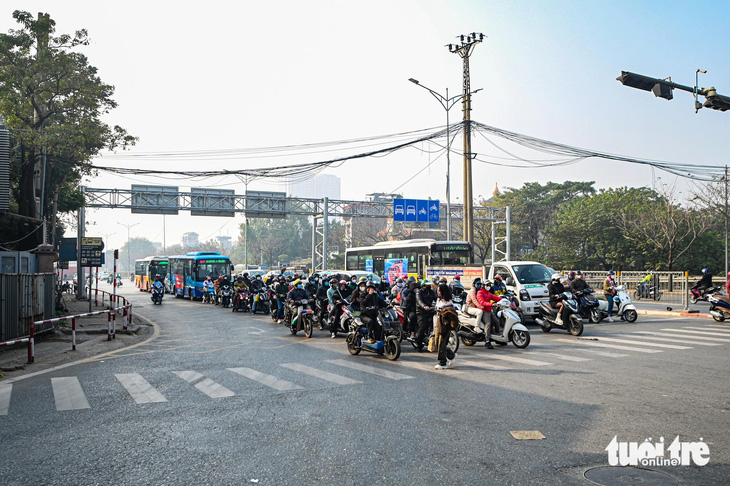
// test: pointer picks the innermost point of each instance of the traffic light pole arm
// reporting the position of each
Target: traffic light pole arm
(646, 83)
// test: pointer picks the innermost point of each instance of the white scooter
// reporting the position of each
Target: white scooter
(622, 305)
(511, 327)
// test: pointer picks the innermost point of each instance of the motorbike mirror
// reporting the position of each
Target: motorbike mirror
(509, 281)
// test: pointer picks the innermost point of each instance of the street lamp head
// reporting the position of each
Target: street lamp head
(702, 71)
(414, 81)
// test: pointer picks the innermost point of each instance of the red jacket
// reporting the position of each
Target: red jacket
(485, 299)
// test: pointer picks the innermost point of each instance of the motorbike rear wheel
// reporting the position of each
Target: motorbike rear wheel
(718, 318)
(391, 348)
(637, 295)
(576, 325)
(352, 347)
(595, 316)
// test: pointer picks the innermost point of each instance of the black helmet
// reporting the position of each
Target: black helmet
(245, 274)
(370, 285)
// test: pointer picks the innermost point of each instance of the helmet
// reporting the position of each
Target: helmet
(705, 271)
(579, 272)
(258, 277)
(411, 279)
(498, 277)
(426, 282)
(296, 282)
(343, 282)
(362, 279)
(487, 283)
(571, 275)
(477, 281)
(240, 279)
(611, 272)
(315, 275)
(443, 280)
(333, 281)
(456, 277)
(311, 278)
(245, 274)
(555, 277)
(371, 285)
(399, 280)
(370, 277)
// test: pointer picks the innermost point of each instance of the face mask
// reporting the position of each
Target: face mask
(362, 287)
(400, 285)
(326, 284)
(316, 280)
(299, 286)
(353, 280)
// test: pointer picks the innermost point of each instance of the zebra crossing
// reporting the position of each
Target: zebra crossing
(549, 350)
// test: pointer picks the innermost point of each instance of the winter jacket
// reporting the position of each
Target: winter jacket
(485, 299)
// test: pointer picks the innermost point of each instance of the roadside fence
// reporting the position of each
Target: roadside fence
(24, 298)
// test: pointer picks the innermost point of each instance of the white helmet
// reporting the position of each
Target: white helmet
(556, 277)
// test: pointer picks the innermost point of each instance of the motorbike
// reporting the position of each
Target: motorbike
(209, 295)
(510, 329)
(157, 295)
(719, 306)
(546, 316)
(304, 321)
(119, 281)
(240, 302)
(226, 294)
(347, 316)
(697, 296)
(389, 346)
(588, 306)
(648, 291)
(622, 305)
(391, 324)
(263, 301)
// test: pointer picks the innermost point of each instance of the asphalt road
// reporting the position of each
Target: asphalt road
(215, 397)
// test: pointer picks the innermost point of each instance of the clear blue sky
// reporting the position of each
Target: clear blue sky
(217, 75)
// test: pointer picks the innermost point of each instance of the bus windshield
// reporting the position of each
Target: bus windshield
(532, 273)
(457, 257)
(215, 267)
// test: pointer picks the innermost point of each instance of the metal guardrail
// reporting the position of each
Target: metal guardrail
(673, 286)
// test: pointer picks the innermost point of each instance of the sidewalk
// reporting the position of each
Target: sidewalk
(55, 347)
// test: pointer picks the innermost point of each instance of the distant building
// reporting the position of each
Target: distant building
(190, 239)
(317, 187)
(225, 242)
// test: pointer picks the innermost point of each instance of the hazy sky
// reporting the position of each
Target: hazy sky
(241, 74)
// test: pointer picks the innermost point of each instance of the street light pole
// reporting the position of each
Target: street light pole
(447, 103)
(129, 227)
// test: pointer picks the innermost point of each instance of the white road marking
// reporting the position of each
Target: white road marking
(487, 366)
(68, 394)
(515, 359)
(655, 345)
(697, 334)
(595, 352)
(268, 380)
(370, 369)
(670, 338)
(206, 385)
(430, 366)
(605, 345)
(5, 392)
(560, 356)
(322, 375)
(725, 332)
(139, 388)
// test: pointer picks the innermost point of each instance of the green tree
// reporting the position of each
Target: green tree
(534, 207)
(52, 100)
(134, 249)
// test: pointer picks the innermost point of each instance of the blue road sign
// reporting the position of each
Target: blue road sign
(433, 211)
(399, 209)
(422, 206)
(411, 210)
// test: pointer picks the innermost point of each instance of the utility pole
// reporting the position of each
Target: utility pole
(464, 49)
(726, 183)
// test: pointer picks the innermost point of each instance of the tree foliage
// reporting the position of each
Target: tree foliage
(52, 100)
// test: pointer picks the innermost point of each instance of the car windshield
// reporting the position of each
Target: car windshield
(532, 273)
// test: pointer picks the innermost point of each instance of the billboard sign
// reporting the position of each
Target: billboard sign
(396, 268)
(155, 199)
(212, 202)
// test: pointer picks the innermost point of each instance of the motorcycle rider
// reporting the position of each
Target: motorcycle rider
(352, 285)
(358, 293)
(703, 284)
(158, 284)
(337, 294)
(207, 285)
(645, 282)
(472, 305)
(447, 320)
(485, 298)
(499, 288)
(396, 289)
(555, 291)
(281, 289)
(408, 300)
(294, 296)
(609, 290)
(369, 305)
(579, 284)
(425, 300)
(246, 280)
(257, 285)
(322, 299)
(239, 286)
(310, 286)
(456, 287)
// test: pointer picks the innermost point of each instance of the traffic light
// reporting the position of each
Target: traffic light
(716, 101)
(660, 87)
(116, 254)
(662, 91)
